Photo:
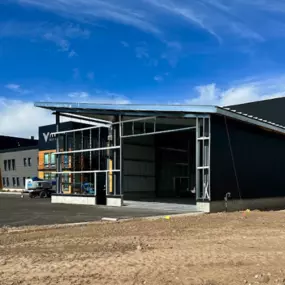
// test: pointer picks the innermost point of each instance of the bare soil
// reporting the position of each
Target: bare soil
(201, 250)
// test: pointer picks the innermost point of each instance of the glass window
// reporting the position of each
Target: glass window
(25, 162)
(18, 181)
(46, 159)
(4, 181)
(5, 165)
(13, 164)
(14, 181)
(52, 159)
(65, 180)
(7, 181)
(9, 164)
(29, 161)
(24, 181)
(66, 161)
(47, 176)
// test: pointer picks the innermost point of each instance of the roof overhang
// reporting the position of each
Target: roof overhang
(109, 111)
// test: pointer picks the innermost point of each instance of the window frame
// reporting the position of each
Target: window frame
(47, 161)
(52, 159)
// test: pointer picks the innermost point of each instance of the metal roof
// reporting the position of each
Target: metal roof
(127, 107)
(142, 110)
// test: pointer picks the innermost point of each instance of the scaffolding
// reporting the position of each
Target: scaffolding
(94, 154)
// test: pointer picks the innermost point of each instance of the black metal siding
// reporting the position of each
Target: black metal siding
(46, 142)
(259, 158)
(270, 110)
(7, 142)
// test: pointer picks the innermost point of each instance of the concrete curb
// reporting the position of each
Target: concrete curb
(106, 220)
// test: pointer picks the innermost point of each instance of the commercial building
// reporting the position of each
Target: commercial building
(47, 158)
(180, 154)
(18, 161)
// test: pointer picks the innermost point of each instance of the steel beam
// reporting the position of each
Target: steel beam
(159, 132)
(87, 150)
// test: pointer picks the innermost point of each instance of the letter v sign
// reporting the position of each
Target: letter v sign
(46, 136)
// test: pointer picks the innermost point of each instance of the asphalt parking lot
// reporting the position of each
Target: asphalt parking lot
(16, 211)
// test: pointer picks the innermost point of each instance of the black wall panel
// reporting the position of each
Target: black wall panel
(270, 110)
(47, 141)
(259, 158)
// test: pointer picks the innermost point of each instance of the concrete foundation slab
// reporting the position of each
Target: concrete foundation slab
(76, 200)
(115, 201)
(241, 205)
(252, 204)
(174, 207)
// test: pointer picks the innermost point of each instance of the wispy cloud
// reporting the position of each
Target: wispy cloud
(123, 12)
(106, 96)
(219, 18)
(91, 96)
(72, 53)
(90, 75)
(248, 91)
(75, 73)
(78, 95)
(142, 51)
(60, 35)
(125, 44)
(158, 78)
(17, 88)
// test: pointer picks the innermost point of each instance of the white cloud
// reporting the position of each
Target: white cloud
(17, 88)
(22, 119)
(13, 87)
(240, 93)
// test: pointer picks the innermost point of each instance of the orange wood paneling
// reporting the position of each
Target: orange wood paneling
(41, 156)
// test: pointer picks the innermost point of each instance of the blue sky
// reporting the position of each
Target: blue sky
(136, 51)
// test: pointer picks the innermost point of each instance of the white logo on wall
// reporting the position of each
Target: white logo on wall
(48, 137)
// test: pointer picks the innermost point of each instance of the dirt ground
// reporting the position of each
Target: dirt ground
(203, 250)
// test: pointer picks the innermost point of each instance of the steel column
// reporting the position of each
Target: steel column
(121, 132)
(197, 184)
(58, 156)
(203, 147)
